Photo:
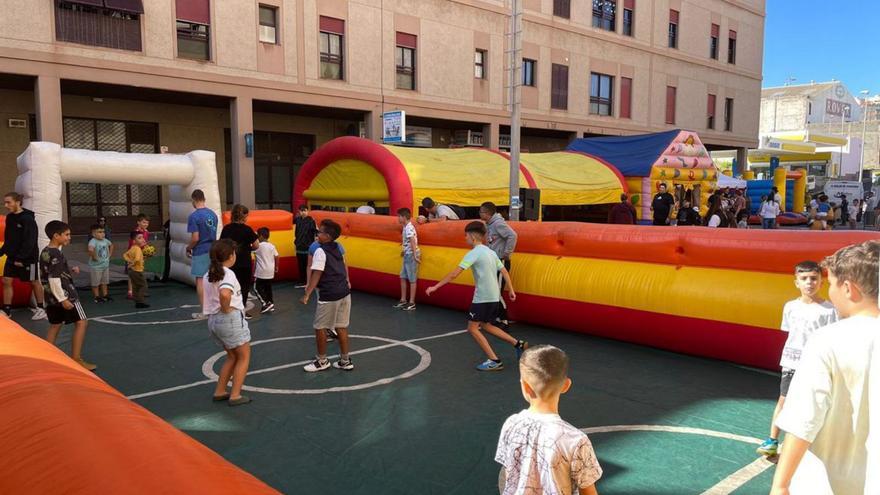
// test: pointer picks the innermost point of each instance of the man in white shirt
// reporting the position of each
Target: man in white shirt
(367, 209)
(829, 446)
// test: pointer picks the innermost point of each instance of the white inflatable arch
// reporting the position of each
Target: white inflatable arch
(43, 169)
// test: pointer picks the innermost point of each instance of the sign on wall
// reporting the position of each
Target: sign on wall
(838, 108)
(394, 127)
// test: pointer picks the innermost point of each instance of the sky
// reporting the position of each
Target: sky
(822, 40)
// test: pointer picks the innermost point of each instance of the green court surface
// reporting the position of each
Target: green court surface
(414, 416)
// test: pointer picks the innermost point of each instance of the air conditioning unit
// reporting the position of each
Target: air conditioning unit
(18, 123)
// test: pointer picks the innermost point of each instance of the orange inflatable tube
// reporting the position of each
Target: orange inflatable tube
(63, 430)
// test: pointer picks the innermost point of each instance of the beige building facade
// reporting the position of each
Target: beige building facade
(177, 75)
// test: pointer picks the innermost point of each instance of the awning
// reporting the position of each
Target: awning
(93, 3)
(130, 6)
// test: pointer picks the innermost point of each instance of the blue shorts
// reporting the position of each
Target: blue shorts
(410, 269)
(230, 330)
(200, 265)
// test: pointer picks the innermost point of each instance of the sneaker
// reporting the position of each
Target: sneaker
(107, 298)
(198, 316)
(87, 365)
(7, 312)
(39, 314)
(520, 347)
(267, 308)
(141, 305)
(248, 316)
(400, 304)
(344, 365)
(410, 307)
(244, 399)
(317, 365)
(99, 300)
(770, 447)
(489, 365)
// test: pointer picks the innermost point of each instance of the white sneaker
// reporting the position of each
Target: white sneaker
(198, 316)
(39, 314)
(317, 365)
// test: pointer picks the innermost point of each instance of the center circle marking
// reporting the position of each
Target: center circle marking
(424, 362)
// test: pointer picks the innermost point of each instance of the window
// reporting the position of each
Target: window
(268, 24)
(604, 12)
(629, 8)
(480, 64)
(559, 87)
(710, 112)
(713, 42)
(562, 8)
(731, 48)
(728, 114)
(601, 94)
(673, 29)
(111, 24)
(405, 59)
(194, 29)
(332, 33)
(625, 98)
(528, 70)
(670, 104)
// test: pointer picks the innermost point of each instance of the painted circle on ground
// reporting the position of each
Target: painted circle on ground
(424, 362)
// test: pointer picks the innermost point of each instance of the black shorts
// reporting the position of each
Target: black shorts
(785, 382)
(26, 273)
(484, 312)
(57, 315)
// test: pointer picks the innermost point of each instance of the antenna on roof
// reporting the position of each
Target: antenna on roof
(789, 80)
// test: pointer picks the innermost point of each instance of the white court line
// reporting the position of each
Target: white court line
(736, 480)
(290, 365)
(106, 318)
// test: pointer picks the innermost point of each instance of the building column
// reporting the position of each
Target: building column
(491, 133)
(47, 95)
(742, 161)
(374, 125)
(241, 111)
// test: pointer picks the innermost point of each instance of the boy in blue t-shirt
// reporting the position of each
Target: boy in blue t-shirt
(202, 225)
(100, 251)
(485, 265)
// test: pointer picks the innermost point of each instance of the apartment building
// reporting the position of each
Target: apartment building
(175, 75)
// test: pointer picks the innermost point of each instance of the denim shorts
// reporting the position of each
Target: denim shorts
(200, 265)
(410, 269)
(230, 330)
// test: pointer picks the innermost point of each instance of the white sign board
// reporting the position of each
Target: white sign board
(394, 127)
(835, 189)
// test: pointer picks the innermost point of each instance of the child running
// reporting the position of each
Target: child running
(486, 305)
(267, 267)
(224, 307)
(412, 257)
(828, 410)
(330, 276)
(134, 257)
(539, 451)
(800, 318)
(100, 251)
(64, 307)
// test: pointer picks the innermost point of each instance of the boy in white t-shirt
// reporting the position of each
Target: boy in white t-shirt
(409, 251)
(539, 451)
(828, 411)
(800, 318)
(265, 270)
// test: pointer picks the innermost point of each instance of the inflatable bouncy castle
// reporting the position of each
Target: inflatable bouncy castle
(676, 158)
(688, 289)
(349, 171)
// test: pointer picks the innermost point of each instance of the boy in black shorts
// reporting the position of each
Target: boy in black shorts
(63, 304)
(486, 305)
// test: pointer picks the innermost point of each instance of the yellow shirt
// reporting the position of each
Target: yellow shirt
(135, 258)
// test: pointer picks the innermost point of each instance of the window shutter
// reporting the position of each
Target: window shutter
(407, 40)
(197, 11)
(715, 30)
(331, 25)
(670, 104)
(673, 17)
(710, 106)
(629, 4)
(732, 35)
(625, 98)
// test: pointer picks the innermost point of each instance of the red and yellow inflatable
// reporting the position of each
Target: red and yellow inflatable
(63, 430)
(715, 293)
(280, 225)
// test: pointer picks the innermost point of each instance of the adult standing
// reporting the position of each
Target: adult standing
(622, 213)
(769, 212)
(305, 232)
(20, 248)
(367, 209)
(501, 239)
(246, 241)
(662, 205)
(202, 226)
(438, 212)
(844, 210)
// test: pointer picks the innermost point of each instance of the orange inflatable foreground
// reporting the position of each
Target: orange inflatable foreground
(63, 430)
(715, 293)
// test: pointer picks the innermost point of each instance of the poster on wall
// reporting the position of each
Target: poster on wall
(394, 127)
(838, 108)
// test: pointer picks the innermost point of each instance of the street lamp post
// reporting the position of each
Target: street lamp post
(864, 94)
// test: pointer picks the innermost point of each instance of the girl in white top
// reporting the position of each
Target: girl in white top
(224, 307)
(769, 212)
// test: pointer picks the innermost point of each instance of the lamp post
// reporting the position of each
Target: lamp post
(864, 94)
